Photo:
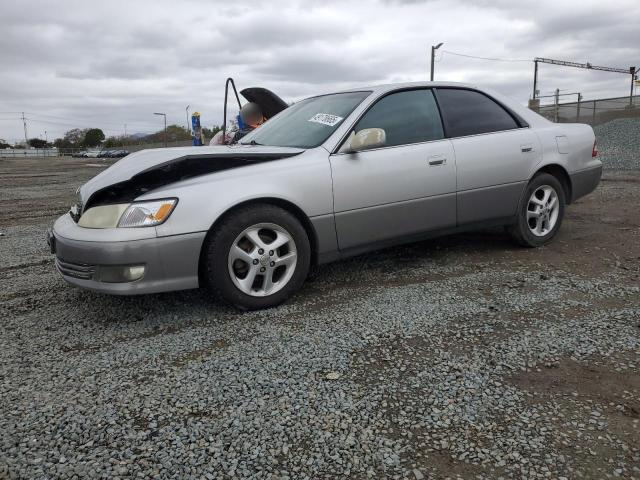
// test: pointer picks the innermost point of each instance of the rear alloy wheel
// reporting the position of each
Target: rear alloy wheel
(540, 212)
(257, 257)
(543, 210)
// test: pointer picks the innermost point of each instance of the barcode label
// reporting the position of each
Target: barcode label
(326, 119)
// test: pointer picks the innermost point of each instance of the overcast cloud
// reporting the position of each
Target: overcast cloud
(86, 63)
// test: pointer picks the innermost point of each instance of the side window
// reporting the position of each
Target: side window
(406, 117)
(467, 112)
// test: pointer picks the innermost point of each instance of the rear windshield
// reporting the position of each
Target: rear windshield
(308, 123)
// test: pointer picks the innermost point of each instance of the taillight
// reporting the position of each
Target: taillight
(594, 152)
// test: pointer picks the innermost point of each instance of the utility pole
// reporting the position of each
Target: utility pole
(24, 123)
(46, 137)
(632, 71)
(165, 127)
(578, 108)
(556, 101)
(188, 124)
(535, 78)
(433, 57)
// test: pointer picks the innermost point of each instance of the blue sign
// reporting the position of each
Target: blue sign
(196, 129)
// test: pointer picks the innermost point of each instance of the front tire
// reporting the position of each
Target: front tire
(540, 212)
(257, 257)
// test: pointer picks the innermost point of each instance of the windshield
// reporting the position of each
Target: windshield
(307, 123)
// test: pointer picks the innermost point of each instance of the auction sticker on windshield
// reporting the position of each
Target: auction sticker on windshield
(326, 119)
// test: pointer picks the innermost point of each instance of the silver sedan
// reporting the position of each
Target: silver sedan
(331, 176)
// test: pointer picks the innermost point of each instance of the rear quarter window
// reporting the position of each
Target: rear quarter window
(467, 112)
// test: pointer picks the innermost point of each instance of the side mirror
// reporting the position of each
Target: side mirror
(365, 139)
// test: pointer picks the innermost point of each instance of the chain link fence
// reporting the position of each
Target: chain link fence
(83, 152)
(593, 112)
(615, 122)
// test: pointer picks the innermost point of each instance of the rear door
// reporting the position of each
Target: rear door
(404, 188)
(494, 151)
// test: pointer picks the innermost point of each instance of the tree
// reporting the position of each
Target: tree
(111, 142)
(62, 143)
(4, 144)
(93, 137)
(174, 133)
(73, 138)
(37, 143)
(208, 133)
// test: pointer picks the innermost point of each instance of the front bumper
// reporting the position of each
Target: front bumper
(171, 263)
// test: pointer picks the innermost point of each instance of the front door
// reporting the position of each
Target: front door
(402, 189)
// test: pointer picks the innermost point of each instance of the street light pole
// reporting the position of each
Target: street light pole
(632, 71)
(433, 57)
(188, 124)
(535, 79)
(165, 127)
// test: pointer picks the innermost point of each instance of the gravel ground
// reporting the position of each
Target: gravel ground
(619, 143)
(460, 357)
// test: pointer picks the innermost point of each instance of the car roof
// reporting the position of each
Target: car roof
(396, 86)
(530, 116)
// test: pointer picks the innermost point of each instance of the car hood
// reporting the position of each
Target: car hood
(147, 170)
(270, 103)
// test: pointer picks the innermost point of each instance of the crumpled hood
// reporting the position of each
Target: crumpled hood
(148, 169)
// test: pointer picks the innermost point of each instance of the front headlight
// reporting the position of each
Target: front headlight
(138, 214)
(147, 214)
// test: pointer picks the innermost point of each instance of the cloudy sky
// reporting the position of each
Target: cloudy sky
(81, 63)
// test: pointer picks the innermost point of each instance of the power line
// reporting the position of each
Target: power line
(102, 122)
(67, 124)
(491, 59)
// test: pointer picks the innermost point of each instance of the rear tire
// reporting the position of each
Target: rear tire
(257, 257)
(540, 212)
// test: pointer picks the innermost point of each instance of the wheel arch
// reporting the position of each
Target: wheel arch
(292, 208)
(562, 175)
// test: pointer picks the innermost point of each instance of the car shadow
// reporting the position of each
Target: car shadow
(200, 303)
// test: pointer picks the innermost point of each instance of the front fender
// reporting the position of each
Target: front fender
(304, 181)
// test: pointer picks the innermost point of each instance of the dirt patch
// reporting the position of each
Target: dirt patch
(199, 353)
(569, 377)
(599, 412)
(441, 464)
(399, 356)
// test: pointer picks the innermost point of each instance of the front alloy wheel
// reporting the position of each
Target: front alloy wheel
(262, 259)
(256, 257)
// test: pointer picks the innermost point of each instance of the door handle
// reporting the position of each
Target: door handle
(526, 148)
(435, 160)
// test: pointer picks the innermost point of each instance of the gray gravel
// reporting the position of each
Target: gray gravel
(425, 361)
(619, 143)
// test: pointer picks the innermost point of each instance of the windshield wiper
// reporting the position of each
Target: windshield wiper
(252, 142)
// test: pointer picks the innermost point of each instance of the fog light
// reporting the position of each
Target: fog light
(121, 273)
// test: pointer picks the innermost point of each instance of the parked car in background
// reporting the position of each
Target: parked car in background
(113, 153)
(118, 153)
(328, 177)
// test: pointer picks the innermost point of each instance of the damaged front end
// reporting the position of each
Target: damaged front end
(167, 172)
